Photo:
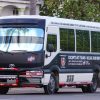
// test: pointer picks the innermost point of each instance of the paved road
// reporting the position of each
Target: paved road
(38, 94)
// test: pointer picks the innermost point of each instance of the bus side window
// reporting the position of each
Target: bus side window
(95, 41)
(82, 41)
(67, 39)
(52, 40)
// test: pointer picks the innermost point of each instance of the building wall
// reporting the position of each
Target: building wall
(17, 7)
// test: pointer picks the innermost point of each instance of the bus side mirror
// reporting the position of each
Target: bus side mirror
(50, 48)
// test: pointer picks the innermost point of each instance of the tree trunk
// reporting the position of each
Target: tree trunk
(33, 7)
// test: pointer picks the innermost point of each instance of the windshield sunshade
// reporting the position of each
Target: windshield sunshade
(29, 39)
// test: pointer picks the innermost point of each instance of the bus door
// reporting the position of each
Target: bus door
(52, 44)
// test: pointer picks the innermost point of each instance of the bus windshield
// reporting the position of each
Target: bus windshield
(21, 39)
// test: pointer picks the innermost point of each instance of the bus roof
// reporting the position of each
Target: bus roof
(59, 21)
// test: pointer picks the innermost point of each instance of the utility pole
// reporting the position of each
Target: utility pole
(33, 7)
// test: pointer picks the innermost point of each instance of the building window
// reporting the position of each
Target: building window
(15, 11)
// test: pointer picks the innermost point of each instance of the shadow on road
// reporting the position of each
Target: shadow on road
(32, 91)
(59, 93)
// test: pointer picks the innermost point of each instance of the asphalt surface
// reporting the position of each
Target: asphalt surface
(38, 94)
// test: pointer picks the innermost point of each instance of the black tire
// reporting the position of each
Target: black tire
(91, 88)
(51, 87)
(4, 90)
(57, 84)
(56, 90)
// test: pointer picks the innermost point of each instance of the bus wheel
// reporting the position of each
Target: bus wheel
(4, 90)
(50, 88)
(57, 84)
(91, 88)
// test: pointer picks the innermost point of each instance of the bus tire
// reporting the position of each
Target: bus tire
(56, 90)
(4, 90)
(57, 84)
(91, 88)
(51, 87)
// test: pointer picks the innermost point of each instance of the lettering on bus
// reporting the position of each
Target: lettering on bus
(82, 60)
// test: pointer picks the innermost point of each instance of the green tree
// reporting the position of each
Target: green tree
(75, 9)
(51, 8)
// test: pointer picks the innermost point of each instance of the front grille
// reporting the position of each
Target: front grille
(8, 73)
(3, 80)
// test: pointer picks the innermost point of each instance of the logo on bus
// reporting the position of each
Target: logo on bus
(63, 61)
(11, 65)
(31, 59)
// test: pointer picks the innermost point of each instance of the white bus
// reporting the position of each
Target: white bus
(49, 52)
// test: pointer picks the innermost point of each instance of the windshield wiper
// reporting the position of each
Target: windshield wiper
(1, 51)
(19, 51)
(4, 52)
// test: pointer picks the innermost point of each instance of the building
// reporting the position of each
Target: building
(17, 7)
